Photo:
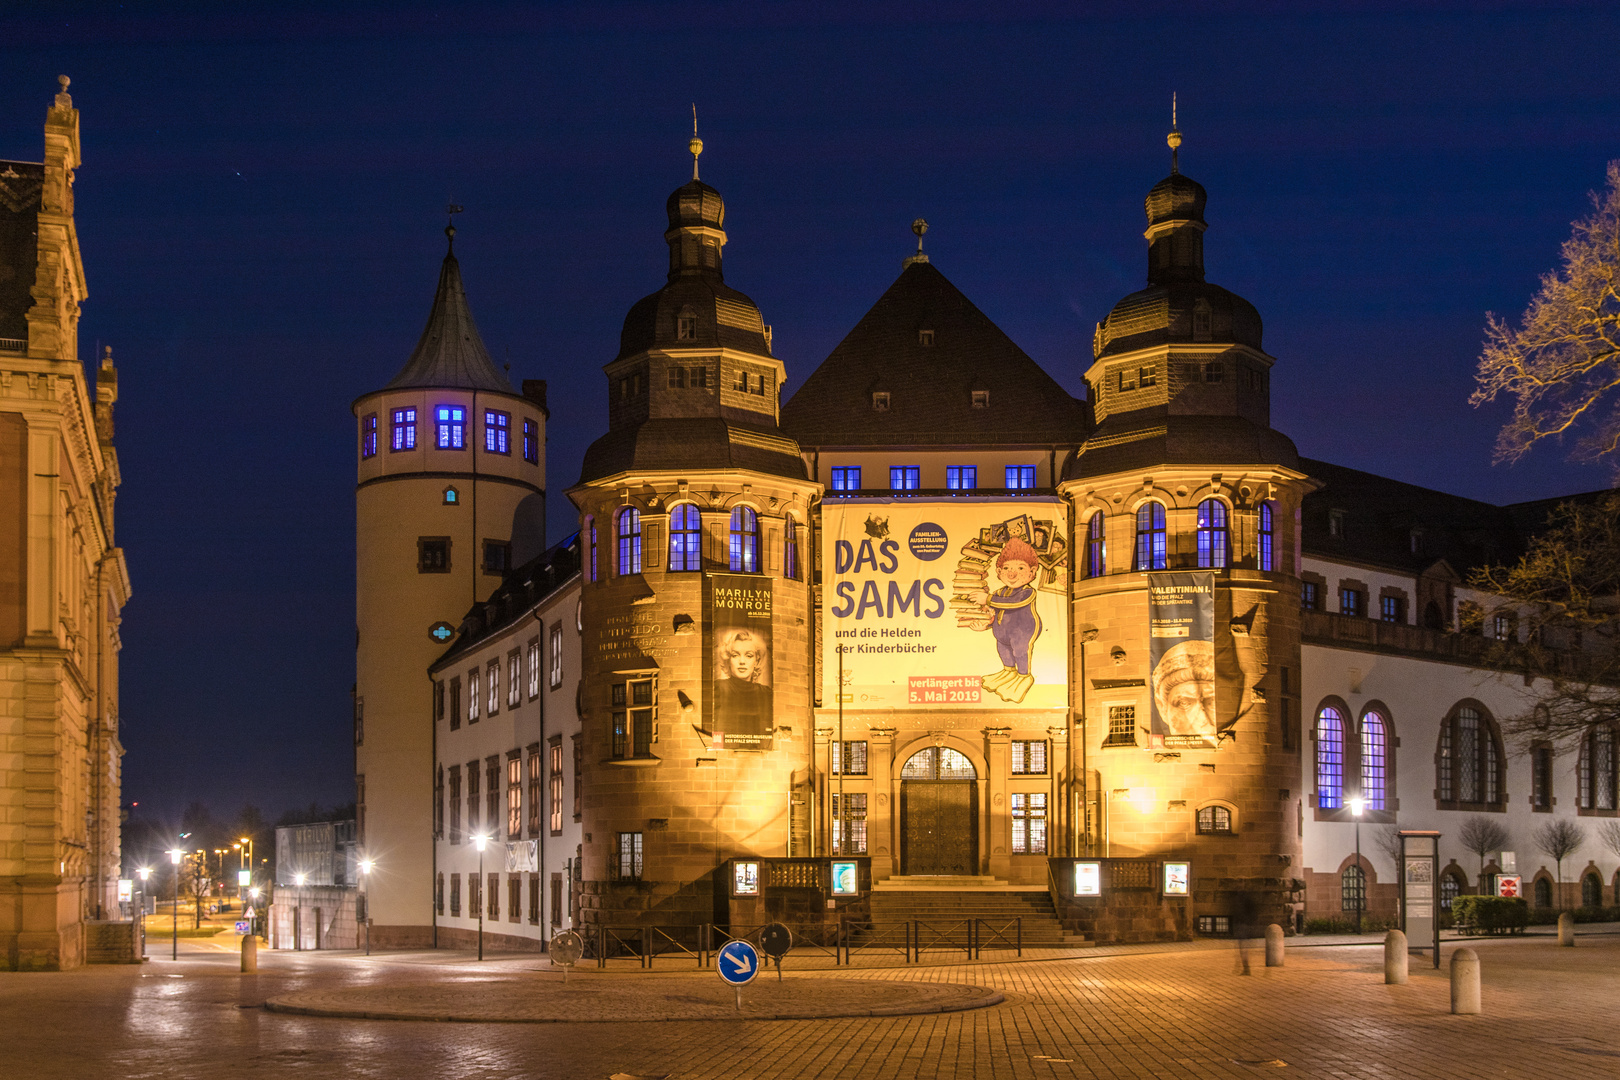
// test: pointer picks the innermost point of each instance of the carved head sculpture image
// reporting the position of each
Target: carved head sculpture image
(1184, 689)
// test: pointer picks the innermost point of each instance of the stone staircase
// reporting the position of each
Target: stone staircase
(940, 903)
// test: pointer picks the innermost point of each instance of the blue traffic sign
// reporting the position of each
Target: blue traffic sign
(738, 962)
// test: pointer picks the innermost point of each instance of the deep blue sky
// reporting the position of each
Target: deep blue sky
(261, 202)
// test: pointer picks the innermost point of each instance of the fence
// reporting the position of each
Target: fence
(841, 940)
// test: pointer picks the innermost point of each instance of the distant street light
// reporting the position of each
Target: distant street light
(1357, 805)
(145, 872)
(365, 893)
(479, 842)
(175, 855)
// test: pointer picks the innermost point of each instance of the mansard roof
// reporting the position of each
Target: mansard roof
(931, 349)
(523, 590)
(451, 353)
(697, 444)
(21, 184)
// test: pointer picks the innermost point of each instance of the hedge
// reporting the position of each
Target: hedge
(1490, 914)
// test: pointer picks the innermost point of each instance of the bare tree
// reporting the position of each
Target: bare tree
(1483, 835)
(1561, 363)
(1609, 833)
(1560, 838)
(1389, 842)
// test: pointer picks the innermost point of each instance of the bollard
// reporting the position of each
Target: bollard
(1274, 946)
(1395, 958)
(1566, 929)
(250, 954)
(1465, 982)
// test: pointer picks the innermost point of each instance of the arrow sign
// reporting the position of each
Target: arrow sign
(738, 963)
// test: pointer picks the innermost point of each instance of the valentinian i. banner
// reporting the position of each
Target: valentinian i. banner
(1181, 648)
(955, 605)
(738, 684)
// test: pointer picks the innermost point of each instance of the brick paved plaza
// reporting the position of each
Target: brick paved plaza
(1169, 1011)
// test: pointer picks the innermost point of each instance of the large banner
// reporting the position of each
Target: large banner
(738, 688)
(1181, 649)
(958, 604)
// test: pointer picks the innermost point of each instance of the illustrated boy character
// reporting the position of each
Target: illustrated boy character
(1013, 620)
(742, 704)
(1184, 689)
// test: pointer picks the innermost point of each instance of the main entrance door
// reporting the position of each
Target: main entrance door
(939, 814)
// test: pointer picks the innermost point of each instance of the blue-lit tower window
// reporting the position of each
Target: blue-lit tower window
(497, 431)
(531, 442)
(629, 541)
(368, 435)
(1152, 538)
(846, 478)
(404, 430)
(1096, 546)
(1268, 537)
(685, 538)
(905, 478)
(961, 477)
(744, 541)
(1020, 477)
(450, 427)
(1213, 535)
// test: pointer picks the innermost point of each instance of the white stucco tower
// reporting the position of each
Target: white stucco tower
(451, 494)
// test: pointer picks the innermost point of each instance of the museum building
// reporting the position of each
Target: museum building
(933, 625)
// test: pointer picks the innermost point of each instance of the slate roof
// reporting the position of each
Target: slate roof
(519, 593)
(701, 443)
(1150, 438)
(450, 353)
(930, 386)
(21, 183)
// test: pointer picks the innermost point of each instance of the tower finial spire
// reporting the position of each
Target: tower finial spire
(696, 145)
(919, 227)
(1174, 138)
(450, 212)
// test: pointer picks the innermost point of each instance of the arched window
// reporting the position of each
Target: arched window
(1470, 762)
(1096, 546)
(744, 540)
(1597, 769)
(938, 763)
(629, 541)
(1214, 820)
(1591, 891)
(1329, 758)
(1543, 892)
(790, 549)
(1213, 535)
(1353, 889)
(1152, 539)
(685, 538)
(1450, 889)
(1268, 536)
(1374, 760)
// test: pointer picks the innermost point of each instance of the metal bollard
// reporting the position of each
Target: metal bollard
(1465, 982)
(1274, 946)
(1566, 929)
(250, 954)
(1395, 958)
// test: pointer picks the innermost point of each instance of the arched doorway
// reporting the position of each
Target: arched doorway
(939, 814)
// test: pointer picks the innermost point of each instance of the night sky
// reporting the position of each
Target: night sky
(261, 204)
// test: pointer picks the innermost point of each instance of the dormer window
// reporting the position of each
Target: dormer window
(1127, 379)
(1148, 376)
(981, 399)
(925, 337)
(677, 378)
(1214, 371)
(1337, 520)
(880, 401)
(685, 327)
(741, 385)
(1201, 321)
(1417, 541)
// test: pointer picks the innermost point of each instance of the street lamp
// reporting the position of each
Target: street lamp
(479, 842)
(1357, 805)
(365, 892)
(174, 857)
(145, 872)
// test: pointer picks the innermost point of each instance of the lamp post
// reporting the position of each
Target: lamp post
(479, 842)
(1357, 805)
(175, 855)
(145, 872)
(365, 893)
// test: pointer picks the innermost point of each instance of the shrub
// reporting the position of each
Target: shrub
(1490, 914)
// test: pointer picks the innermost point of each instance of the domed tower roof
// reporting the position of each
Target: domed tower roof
(450, 352)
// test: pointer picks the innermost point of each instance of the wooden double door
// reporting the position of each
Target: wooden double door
(939, 814)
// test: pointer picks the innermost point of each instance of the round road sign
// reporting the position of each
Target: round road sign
(737, 962)
(566, 947)
(776, 940)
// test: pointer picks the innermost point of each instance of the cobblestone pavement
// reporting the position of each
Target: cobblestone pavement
(1171, 1012)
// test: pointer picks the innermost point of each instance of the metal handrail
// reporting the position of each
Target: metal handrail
(941, 936)
(634, 944)
(1016, 942)
(658, 933)
(803, 938)
(878, 939)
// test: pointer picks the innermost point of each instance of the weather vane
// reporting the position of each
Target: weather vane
(1174, 138)
(696, 145)
(450, 212)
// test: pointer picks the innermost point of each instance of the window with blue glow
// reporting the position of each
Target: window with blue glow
(368, 435)
(1096, 546)
(1152, 538)
(1020, 476)
(961, 477)
(1213, 535)
(531, 442)
(1374, 759)
(404, 430)
(450, 427)
(744, 541)
(846, 478)
(497, 430)
(1268, 536)
(629, 541)
(1329, 758)
(904, 477)
(685, 538)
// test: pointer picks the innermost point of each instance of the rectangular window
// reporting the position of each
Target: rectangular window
(368, 435)
(1149, 376)
(556, 780)
(1338, 521)
(741, 382)
(700, 378)
(433, 555)
(1392, 609)
(790, 549)
(579, 773)
(450, 427)
(497, 556)
(1127, 380)
(404, 430)
(497, 432)
(846, 478)
(531, 657)
(627, 856)
(633, 718)
(556, 899)
(494, 687)
(536, 767)
(514, 796)
(1029, 757)
(1502, 628)
(492, 794)
(1020, 477)
(531, 442)
(455, 704)
(534, 899)
(494, 897)
(677, 377)
(961, 477)
(981, 399)
(514, 897)
(1121, 726)
(472, 696)
(514, 680)
(438, 895)
(455, 895)
(849, 823)
(1029, 823)
(472, 799)
(556, 656)
(904, 477)
(1214, 371)
(1310, 595)
(1352, 602)
(1541, 778)
(852, 751)
(475, 895)
(438, 804)
(455, 804)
